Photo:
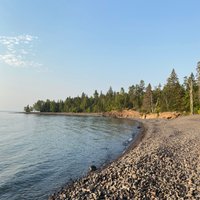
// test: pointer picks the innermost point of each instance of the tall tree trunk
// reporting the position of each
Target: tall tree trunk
(151, 102)
(191, 96)
(198, 79)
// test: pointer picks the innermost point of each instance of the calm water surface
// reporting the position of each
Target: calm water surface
(39, 154)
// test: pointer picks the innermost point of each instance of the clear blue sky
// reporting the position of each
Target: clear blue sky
(58, 48)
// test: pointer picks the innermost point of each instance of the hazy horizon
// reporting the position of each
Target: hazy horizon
(63, 48)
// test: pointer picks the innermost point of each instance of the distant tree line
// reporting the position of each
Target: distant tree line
(173, 96)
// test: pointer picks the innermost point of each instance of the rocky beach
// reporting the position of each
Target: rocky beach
(164, 163)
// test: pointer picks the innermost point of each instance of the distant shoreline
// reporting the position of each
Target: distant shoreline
(64, 114)
(126, 114)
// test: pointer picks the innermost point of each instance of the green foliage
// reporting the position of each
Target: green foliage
(171, 97)
(147, 105)
(172, 94)
(28, 109)
(38, 105)
(136, 93)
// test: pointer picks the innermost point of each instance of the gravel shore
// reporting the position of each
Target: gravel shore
(164, 165)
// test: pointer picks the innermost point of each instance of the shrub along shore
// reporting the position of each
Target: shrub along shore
(165, 164)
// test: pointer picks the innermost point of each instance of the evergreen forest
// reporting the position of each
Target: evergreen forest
(172, 96)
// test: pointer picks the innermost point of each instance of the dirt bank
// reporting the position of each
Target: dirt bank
(135, 114)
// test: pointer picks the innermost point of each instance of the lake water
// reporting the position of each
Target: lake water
(39, 154)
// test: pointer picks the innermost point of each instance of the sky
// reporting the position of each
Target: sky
(59, 48)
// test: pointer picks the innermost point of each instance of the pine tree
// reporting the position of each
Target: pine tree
(173, 93)
(148, 100)
(157, 98)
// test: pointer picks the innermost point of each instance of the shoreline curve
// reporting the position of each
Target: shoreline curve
(165, 164)
(134, 142)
